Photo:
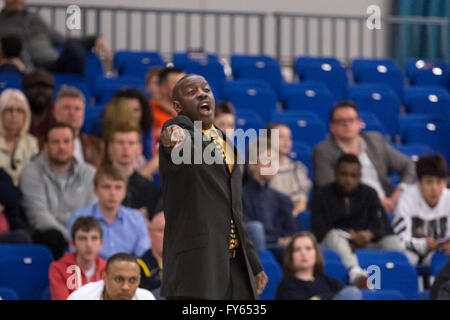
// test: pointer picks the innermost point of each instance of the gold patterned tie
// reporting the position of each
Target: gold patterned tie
(227, 156)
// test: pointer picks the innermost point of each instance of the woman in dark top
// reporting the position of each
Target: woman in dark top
(303, 274)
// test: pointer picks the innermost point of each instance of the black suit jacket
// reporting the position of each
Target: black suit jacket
(199, 202)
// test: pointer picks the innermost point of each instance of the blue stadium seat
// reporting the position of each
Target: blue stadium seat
(438, 261)
(330, 255)
(371, 122)
(181, 59)
(424, 295)
(8, 294)
(406, 121)
(24, 268)
(247, 119)
(337, 270)
(326, 70)
(396, 272)
(334, 266)
(413, 150)
(382, 295)
(302, 152)
(431, 133)
(72, 80)
(304, 220)
(46, 295)
(136, 63)
(238, 60)
(266, 254)
(251, 94)
(425, 72)
(106, 87)
(212, 71)
(305, 126)
(269, 71)
(91, 116)
(273, 271)
(308, 96)
(379, 99)
(10, 80)
(375, 71)
(93, 70)
(427, 99)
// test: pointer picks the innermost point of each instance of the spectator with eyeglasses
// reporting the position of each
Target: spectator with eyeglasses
(377, 157)
(17, 146)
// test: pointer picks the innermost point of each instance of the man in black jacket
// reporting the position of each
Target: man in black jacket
(347, 215)
(206, 250)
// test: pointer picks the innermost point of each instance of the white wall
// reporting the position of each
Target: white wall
(327, 7)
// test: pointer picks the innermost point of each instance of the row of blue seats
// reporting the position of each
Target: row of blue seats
(311, 68)
(24, 270)
(308, 95)
(398, 280)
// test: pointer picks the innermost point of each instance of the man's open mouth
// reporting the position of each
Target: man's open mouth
(205, 108)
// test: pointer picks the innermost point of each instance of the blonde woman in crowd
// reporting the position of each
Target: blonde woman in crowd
(17, 146)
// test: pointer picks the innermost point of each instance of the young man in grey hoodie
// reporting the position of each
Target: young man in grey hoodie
(54, 184)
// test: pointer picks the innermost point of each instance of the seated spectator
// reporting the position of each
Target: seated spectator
(151, 262)
(440, 290)
(120, 282)
(54, 184)
(38, 87)
(16, 145)
(39, 41)
(123, 149)
(12, 223)
(292, 177)
(69, 108)
(422, 216)
(267, 212)
(152, 82)
(347, 215)
(304, 277)
(123, 228)
(162, 108)
(224, 118)
(84, 265)
(376, 156)
(142, 116)
(116, 110)
(10, 49)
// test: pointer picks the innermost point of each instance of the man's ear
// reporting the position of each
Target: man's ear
(177, 106)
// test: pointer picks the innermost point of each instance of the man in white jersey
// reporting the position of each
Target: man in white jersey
(422, 215)
(120, 282)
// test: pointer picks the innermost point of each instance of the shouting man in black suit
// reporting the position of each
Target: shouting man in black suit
(206, 250)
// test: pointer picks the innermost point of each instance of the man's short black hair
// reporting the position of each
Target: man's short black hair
(343, 104)
(347, 158)
(11, 47)
(431, 165)
(164, 73)
(121, 256)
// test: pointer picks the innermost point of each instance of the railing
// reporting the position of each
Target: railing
(165, 30)
(326, 40)
(229, 32)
